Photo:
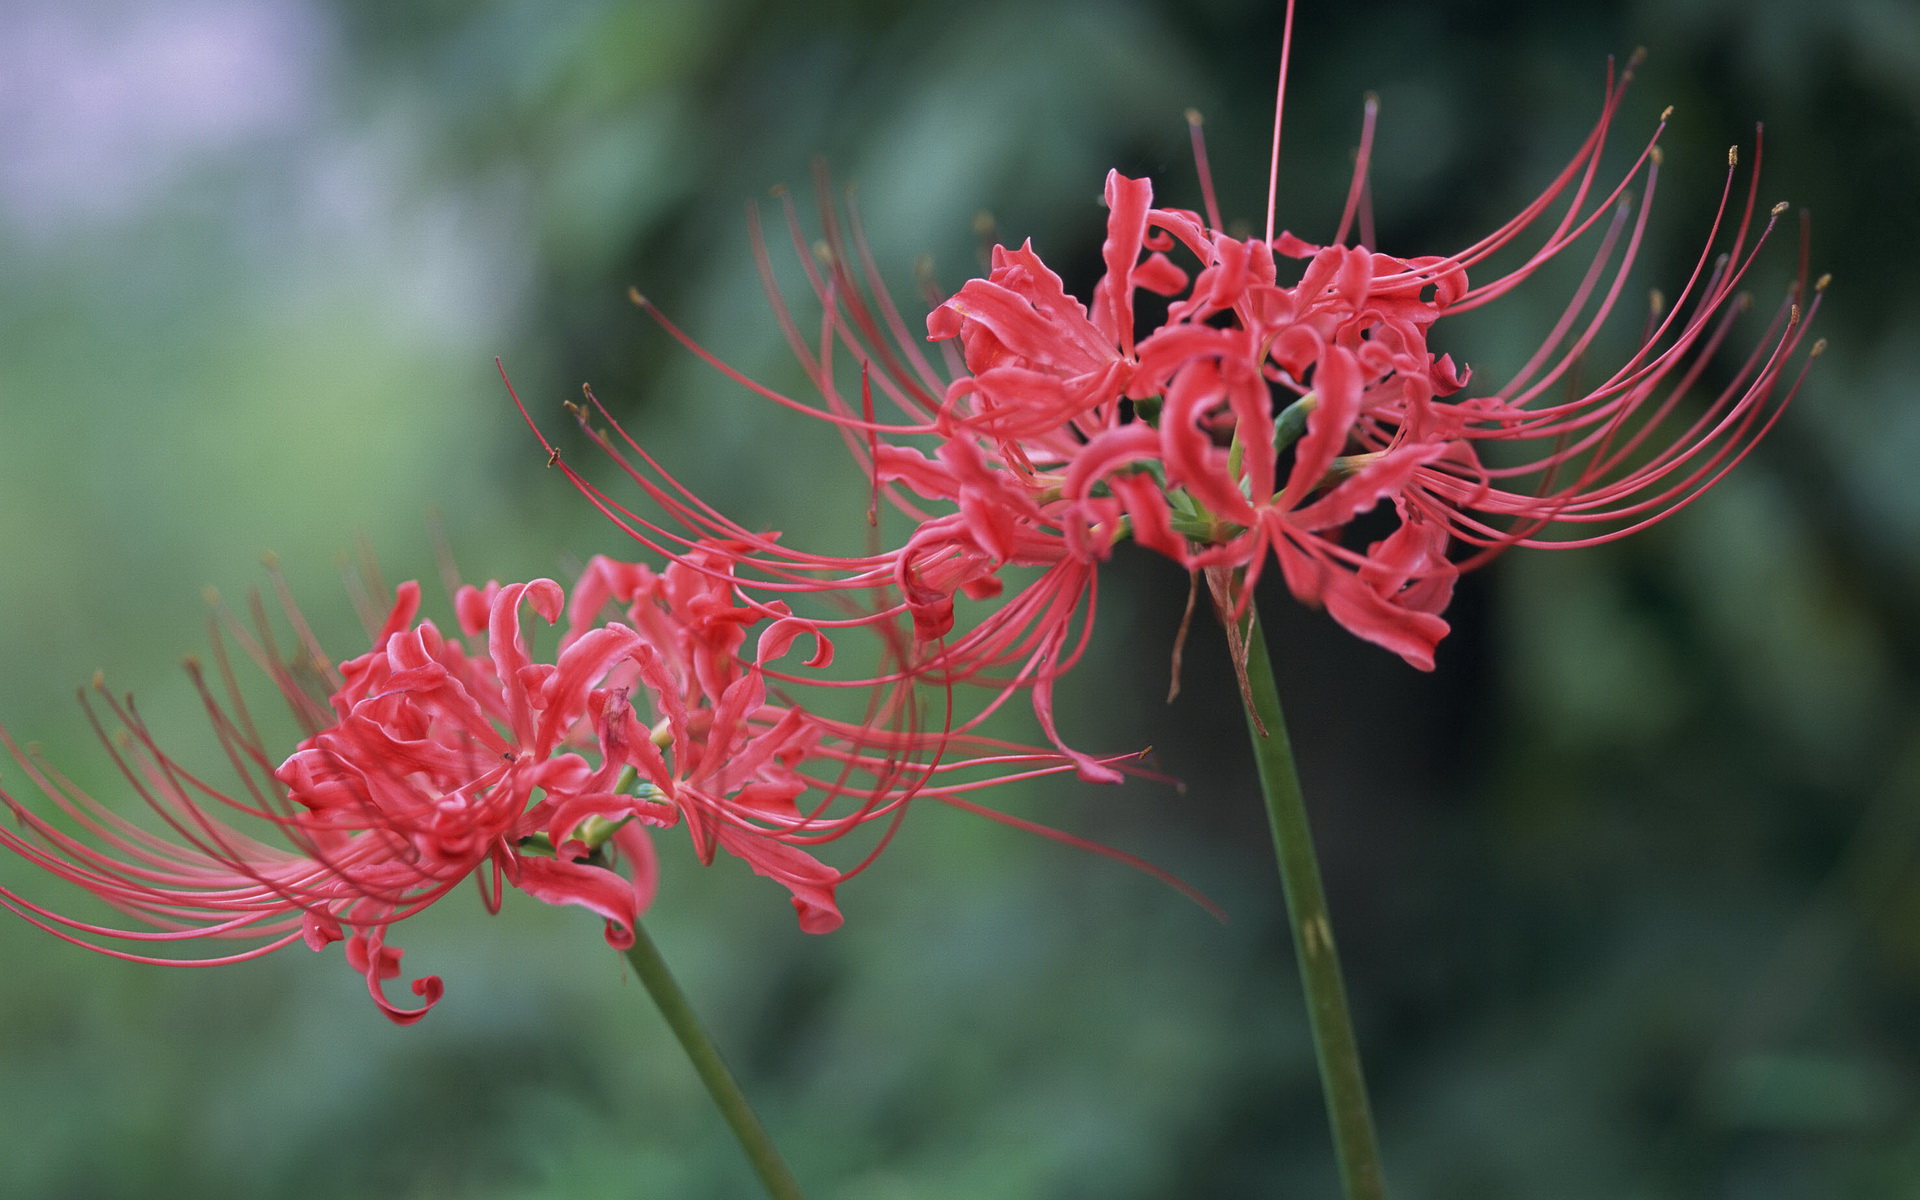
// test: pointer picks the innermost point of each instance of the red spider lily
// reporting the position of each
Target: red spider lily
(1258, 419)
(427, 764)
(1181, 438)
(423, 773)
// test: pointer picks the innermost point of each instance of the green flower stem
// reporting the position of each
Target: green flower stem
(1334, 1046)
(673, 1005)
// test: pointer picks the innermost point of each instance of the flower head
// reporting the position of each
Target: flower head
(1260, 418)
(1290, 390)
(428, 763)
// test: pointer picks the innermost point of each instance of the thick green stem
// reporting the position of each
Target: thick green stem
(673, 1005)
(1333, 1042)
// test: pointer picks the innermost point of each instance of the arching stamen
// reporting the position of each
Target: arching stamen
(1279, 110)
(873, 446)
(1200, 167)
(1358, 186)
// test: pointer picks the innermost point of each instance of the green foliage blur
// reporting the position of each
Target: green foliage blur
(1627, 889)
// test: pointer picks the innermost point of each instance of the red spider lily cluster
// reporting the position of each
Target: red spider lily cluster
(1257, 420)
(1281, 394)
(428, 763)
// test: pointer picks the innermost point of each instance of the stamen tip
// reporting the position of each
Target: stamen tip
(99, 683)
(1666, 113)
(1820, 284)
(1819, 348)
(1793, 316)
(1780, 208)
(1657, 155)
(1193, 118)
(1657, 301)
(211, 596)
(270, 560)
(639, 301)
(1733, 156)
(1638, 56)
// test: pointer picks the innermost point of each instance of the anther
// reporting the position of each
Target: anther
(633, 294)
(824, 253)
(1638, 56)
(1657, 301)
(1820, 284)
(1193, 118)
(1657, 155)
(99, 681)
(1666, 112)
(1819, 348)
(1779, 208)
(1793, 316)
(1733, 156)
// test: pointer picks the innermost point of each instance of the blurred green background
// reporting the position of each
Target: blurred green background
(1627, 888)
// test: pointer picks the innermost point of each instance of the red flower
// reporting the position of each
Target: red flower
(426, 773)
(1262, 418)
(1182, 440)
(428, 764)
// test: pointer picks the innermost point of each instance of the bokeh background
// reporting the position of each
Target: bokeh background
(1627, 888)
